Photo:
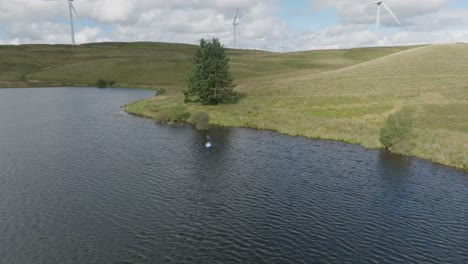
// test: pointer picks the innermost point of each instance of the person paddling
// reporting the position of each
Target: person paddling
(208, 141)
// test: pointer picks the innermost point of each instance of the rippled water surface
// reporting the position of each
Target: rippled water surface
(83, 182)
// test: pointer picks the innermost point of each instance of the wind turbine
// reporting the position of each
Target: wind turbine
(234, 24)
(71, 10)
(379, 4)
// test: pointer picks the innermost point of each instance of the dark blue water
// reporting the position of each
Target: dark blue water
(83, 182)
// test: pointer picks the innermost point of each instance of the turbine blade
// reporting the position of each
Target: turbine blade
(391, 13)
(235, 18)
(375, 3)
(377, 25)
(74, 10)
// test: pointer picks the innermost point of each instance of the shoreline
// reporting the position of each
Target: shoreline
(127, 108)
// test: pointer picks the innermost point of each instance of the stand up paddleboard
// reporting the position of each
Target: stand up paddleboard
(208, 142)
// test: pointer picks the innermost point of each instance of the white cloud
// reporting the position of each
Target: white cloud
(32, 21)
(87, 34)
(186, 21)
(360, 12)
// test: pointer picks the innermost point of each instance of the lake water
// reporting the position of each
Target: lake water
(83, 182)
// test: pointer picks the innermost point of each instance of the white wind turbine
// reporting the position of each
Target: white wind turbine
(234, 24)
(379, 4)
(71, 10)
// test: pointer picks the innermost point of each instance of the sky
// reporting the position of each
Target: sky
(274, 25)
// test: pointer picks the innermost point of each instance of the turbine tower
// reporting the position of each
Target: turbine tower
(71, 10)
(234, 24)
(72, 28)
(379, 4)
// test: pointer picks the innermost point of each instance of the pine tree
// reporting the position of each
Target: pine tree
(210, 81)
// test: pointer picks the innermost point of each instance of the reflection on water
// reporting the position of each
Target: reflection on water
(82, 184)
(394, 165)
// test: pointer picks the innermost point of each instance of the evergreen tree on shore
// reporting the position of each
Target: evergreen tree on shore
(210, 82)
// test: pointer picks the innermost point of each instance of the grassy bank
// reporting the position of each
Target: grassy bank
(351, 102)
(333, 94)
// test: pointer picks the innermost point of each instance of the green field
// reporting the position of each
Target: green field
(333, 94)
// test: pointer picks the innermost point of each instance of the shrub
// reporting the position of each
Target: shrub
(179, 113)
(201, 120)
(111, 83)
(163, 117)
(159, 91)
(397, 130)
(101, 83)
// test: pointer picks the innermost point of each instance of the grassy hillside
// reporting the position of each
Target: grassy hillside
(137, 64)
(153, 65)
(334, 94)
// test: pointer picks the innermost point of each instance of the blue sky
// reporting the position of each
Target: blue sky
(458, 4)
(300, 16)
(277, 25)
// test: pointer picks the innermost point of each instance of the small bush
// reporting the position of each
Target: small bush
(101, 83)
(159, 91)
(397, 130)
(179, 113)
(163, 117)
(111, 83)
(201, 120)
